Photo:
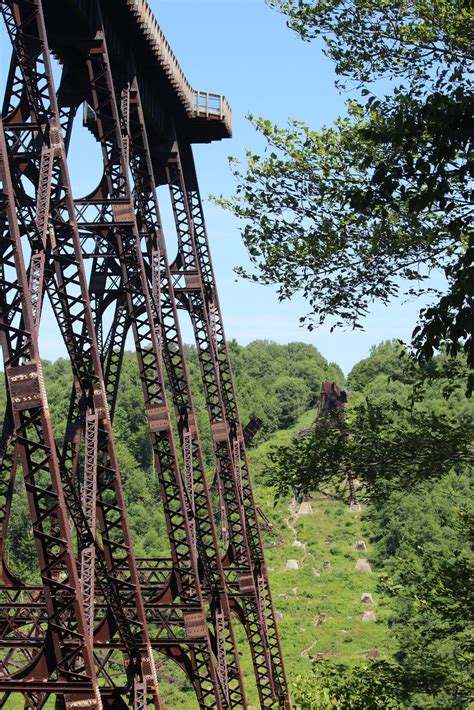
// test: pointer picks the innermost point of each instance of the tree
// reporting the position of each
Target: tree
(413, 455)
(423, 543)
(399, 430)
(387, 447)
(292, 395)
(347, 214)
(276, 383)
(331, 686)
(384, 359)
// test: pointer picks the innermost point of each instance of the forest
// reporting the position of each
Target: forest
(416, 518)
(410, 444)
(276, 383)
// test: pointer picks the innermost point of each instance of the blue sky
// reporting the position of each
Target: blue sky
(243, 49)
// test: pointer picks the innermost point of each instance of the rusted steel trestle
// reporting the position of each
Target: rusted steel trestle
(101, 262)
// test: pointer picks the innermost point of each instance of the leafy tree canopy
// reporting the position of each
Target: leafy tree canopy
(333, 686)
(423, 543)
(384, 359)
(371, 39)
(386, 446)
(369, 207)
(411, 448)
(399, 431)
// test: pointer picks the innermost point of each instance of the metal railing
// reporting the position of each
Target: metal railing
(209, 105)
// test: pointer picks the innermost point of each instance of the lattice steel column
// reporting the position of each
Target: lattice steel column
(237, 561)
(109, 216)
(67, 289)
(89, 505)
(194, 265)
(69, 653)
(169, 336)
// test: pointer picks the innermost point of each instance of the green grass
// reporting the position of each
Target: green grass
(329, 533)
(335, 592)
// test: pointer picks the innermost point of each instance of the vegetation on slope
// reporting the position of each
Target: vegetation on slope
(416, 467)
(274, 382)
(416, 532)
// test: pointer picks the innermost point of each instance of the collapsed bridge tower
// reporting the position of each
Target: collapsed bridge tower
(331, 413)
(101, 261)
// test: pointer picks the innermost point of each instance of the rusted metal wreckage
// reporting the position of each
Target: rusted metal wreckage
(330, 414)
(102, 263)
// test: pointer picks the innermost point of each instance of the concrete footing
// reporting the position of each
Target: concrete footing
(369, 616)
(305, 508)
(363, 565)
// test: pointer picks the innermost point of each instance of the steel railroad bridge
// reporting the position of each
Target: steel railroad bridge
(95, 630)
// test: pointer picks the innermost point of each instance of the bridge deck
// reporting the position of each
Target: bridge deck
(131, 26)
(197, 104)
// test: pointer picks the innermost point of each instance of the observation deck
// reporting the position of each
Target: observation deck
(202, 107)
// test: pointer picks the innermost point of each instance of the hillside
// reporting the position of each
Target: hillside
(320, 604)
(320, 608)
(274, 382)
(410, 442)
(415, 527)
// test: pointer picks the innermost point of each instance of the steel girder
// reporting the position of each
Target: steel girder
(55, 245)
(113, 228)
(66, 655)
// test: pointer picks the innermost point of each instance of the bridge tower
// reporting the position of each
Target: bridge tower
(101, 262)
